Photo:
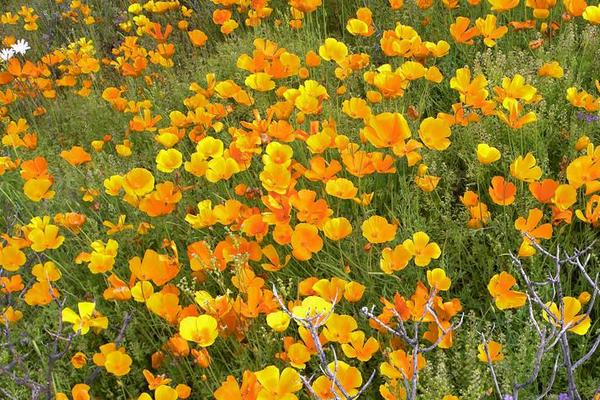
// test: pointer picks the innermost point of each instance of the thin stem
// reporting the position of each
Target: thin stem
(491, 366)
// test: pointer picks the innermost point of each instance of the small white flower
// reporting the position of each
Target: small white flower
(6, 54)
(21, 47)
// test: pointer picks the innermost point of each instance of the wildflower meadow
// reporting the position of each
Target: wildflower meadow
(299, 199)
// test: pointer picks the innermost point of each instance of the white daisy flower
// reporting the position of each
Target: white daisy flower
(21, 47)
(6, 54)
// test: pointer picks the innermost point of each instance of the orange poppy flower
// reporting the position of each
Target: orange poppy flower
(386, 129)
(494, 349)
(155, 267)
(138, 182)
(434, 132)
(530, 226)
(360, 349)
(38, 189)
(11, 284)
(197, 38)
(394, 260)
(305, 241)
(421, 249)
(231, 389)
(489, 30)
(569, 316)
(592, 211)
(44, 235)
(376, 229)
(78, 360)
(118, 363)
(276, 178)
(400, 365)
(460, 31)
(341, 188)
(564, 197)
(362, 24)
(543, 191)
(278, 385)
(333, 50)
(118, 289)
(168, 160)
(76, 156)
(201, 330)
(502, 192)
(310, 210)
(347, 376)
(525, 168)
(551, 69)
(11, 258)
(438, 280)
(337, 228)
(487, 154)
(321, 170)
(500, 288)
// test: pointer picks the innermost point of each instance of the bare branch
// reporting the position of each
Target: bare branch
(312, 324)
(551, 381)
(588, 355)
(413, 342)
(559, 327)
(369, 314)
(491, 365)
(537, 364)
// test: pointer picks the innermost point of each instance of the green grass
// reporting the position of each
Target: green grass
(470, 257)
